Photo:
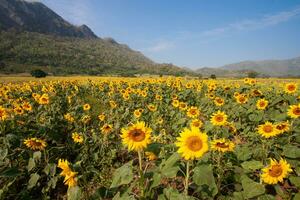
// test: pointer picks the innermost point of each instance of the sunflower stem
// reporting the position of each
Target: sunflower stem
(141, 174)
(187, 175)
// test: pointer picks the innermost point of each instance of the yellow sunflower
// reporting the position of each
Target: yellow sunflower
(150, 155)
(219, 101)
(294, 111)
(219, 118)
(101, 117)
(136, 136)
(106, 128)
(3, 113)
(44, 99)
(193, 112)
(152, 107)
(137, 113)
(261, 104)
(175, 103)
(222, 145)
(267, 130)
(242, 99)
(290, 88)
(275, 172)
(86, 107)
(35, 144)
(196, 123)
(282, 127)
(70, 176)
(192, 143)
(78, 138)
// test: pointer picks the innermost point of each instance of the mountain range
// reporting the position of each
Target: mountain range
(33, 36)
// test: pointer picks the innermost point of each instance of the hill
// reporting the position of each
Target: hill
(288, 67)
(24, 51)
(33, 36)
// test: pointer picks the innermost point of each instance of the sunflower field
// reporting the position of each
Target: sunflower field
(150, 138)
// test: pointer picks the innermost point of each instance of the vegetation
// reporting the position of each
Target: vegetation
(37, 73)
(24, 51)
(150, 138)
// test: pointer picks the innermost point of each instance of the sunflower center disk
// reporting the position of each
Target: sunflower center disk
(275, 171)
(222, 145)
(137, 135)
(297, 111)
(291, 88)
(268, 129)
(194, 143)
(219, 118)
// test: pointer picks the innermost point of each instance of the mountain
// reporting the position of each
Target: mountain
(288, 67)
(36, 17)
(33, 36)
(207, 71)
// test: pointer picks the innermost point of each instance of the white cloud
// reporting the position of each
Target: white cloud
(253, 24)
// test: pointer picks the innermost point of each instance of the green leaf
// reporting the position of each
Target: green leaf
(11, 172)
(297, 196)
(243, 153)
(31, 164)
(33, 180)
(203, 175)
(37, 155)
(122, 175)
(125, 196)
(252, 165)
(266, 197)
(295, 181)
(74, 193)
(291, 151)
(251, 188)
(172, 194)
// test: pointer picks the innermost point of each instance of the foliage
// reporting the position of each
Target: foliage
(37, 73)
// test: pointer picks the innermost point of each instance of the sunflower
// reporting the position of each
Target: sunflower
(69, 117)
(182, 106)
(282, 127)
(138, 113)
(219, 101)
(267, 130)
(136, 136)
(35, 144)
(158, 97)
(70, 176)
(290, 88)
(275, 172)
(70, 179)
(106, 128)
(152, 107)
(26, 106)
(86, 107)
(44, 99)
(150, 155)
(78, 138)
(219, 118)
(3, 113)
(261, 104)
(101, 117)
(192, 143)
(222, 145)
(242, 99)
(112, 104)
(193, 112)
(18, 110)
(196, 123)
(294, 111)
(231, 127)
(175, 103)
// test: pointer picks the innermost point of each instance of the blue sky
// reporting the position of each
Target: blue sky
(193, 33)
